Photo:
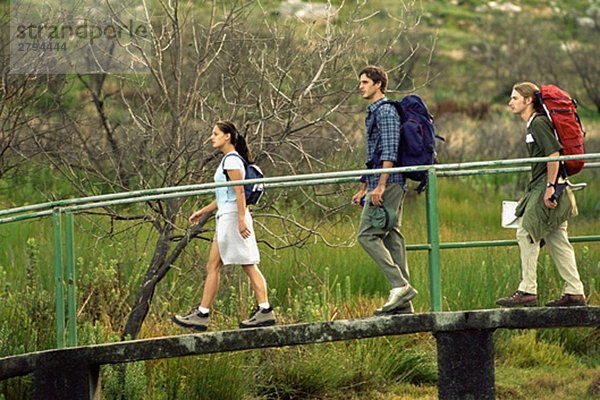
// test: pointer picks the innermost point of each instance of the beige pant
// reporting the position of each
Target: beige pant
(386, 248)
(561, 252)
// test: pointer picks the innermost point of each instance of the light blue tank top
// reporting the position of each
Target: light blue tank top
(227, 194)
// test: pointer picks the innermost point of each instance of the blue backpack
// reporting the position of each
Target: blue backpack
(253, 191)
(417, 137)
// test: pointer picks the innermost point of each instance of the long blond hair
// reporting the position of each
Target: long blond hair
(528, 89)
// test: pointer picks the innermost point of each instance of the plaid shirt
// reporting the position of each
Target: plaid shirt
(383, 141)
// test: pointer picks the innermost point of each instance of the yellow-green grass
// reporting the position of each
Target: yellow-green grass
(312, 283)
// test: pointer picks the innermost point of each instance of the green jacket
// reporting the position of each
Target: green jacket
(539, 220)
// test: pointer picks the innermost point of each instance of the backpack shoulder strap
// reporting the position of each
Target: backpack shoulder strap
(373, 121)
(535, 116)
(236, 155)
(530, 127)
(562, 169)
(223, 163)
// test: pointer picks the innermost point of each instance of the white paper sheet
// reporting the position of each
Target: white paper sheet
(509, 220)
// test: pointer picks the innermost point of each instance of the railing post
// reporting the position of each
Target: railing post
(433, 240)
(58, 278)
(71, 282)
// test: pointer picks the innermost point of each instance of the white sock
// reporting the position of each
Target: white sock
(203, 310)
(264, 305)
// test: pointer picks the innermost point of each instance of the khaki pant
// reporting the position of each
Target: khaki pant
(386, 248)
(561, 252)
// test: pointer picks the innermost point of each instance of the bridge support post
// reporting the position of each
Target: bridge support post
(67, 380)
(465, 365)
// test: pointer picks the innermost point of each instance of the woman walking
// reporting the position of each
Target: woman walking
(234, 241)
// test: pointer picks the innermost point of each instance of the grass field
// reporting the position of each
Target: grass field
(312, 283)
(473, 66)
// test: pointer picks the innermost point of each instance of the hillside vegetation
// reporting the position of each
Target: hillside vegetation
(291, 86)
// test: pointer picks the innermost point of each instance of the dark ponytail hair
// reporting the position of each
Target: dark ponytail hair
(237, 140)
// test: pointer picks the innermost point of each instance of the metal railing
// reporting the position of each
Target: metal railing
(433, 245)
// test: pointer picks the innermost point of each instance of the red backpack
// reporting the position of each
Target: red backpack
(561, 109)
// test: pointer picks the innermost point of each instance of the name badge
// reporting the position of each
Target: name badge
(529, 138)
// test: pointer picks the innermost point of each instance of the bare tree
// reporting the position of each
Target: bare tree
(584, 55)
(14, 94)
(563, 52)
(17, 94)
(286, 83)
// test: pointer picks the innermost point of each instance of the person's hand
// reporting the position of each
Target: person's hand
(547, 195)
(243, 227)
(377, 196)
(197, 216)
(356, 199)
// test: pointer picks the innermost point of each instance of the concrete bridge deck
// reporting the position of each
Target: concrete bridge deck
(464, 340)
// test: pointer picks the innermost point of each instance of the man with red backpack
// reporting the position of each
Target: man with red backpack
(543, 212)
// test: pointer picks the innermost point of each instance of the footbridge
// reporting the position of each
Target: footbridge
(465, 351)
(464, 338)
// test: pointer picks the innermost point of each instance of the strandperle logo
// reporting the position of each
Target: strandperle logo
(83, 30)
(89, 36)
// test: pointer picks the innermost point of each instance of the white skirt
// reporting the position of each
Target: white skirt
(233, 247)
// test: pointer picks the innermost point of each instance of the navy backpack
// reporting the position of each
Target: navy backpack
(417, 137)
(253, 191)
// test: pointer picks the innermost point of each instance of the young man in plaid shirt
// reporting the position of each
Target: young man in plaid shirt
(385, 247)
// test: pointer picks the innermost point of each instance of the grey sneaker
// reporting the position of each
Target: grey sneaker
(259, 317)
(405, 309)
(195, 320)
(399, 297)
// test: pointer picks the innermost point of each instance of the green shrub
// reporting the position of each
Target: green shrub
(525, 350)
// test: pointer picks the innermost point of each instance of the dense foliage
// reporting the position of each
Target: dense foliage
(290, 85)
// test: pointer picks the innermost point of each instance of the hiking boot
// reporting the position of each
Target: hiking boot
(406, 309)
(398, 298)
(195, 320)
(568, 300)
(260, 317)
(518, 299)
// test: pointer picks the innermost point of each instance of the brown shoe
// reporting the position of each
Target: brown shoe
(568, 300)
(518, 299)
